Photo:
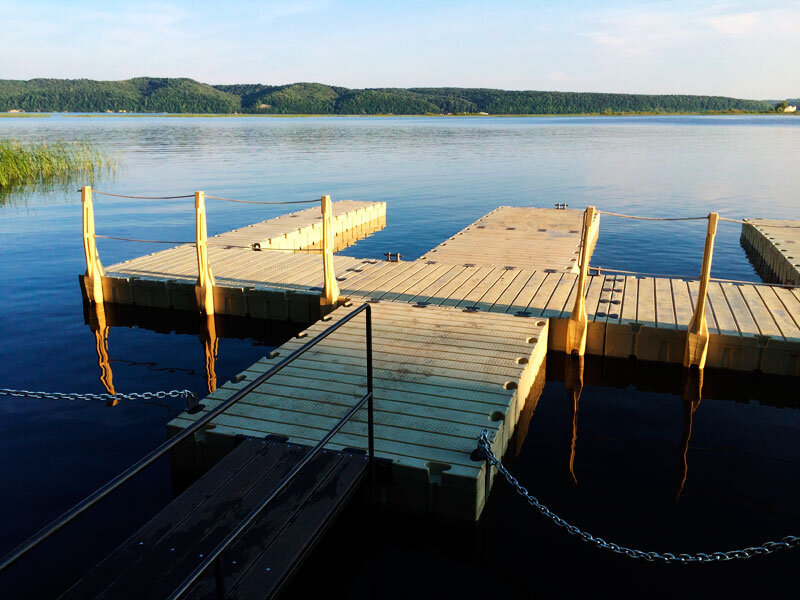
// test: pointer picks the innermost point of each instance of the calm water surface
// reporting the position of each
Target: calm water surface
(437, 175)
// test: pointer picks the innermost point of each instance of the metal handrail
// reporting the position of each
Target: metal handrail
(117, 481)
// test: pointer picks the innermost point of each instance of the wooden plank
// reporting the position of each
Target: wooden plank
(665, 307)
(167, 563)
(539, 302)
(521, 237)
(740, 310)
(149, 552)
(594, 288)
(527, 293)
(682, 301)
(127, 555)
(432, 289)
(791, 304)
(629, 312)
(646, 302)
(270, 551)
(562, 298)
(489, 298)
(761, 314)
(477, 292)
(506, 299)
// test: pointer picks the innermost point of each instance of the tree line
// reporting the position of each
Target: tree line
(181, 95)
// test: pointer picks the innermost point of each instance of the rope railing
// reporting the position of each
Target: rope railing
(640, 218)
(255, 246)
(143, 197)
(727, 219)
(204, 288)
(697, 336)
(261, 201)
(124, 239)
(133, 197)
(601, 270)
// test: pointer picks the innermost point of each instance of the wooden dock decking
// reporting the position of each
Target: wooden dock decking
(460, 336)
(518, 237)
(260, 284)
(774, 249)
(441, 376)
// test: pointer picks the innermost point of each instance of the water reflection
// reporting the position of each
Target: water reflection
(102, 317)
(210, 343)
(99, 326)
(573, 382)
(687, 386)
(692, 391)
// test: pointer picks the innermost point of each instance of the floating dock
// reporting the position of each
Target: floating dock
(460, 334)
(774, 249)
(269, 270)
(441, 375)
(516, 237)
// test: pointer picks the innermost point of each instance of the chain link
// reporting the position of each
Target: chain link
(790, 541)
(104, 397)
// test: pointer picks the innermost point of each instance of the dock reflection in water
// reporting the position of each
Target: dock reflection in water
(102, 317)
(688, 385)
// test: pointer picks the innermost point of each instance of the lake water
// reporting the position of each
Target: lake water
(437, 175)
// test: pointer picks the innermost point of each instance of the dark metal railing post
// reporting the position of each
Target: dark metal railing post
(370, 413)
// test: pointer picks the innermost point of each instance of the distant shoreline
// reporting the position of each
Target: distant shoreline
(388, 115)
(182, 95)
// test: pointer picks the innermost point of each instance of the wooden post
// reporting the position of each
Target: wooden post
(93, 280)
(330, 289)
(578, 322)
(697, 335)
(204, 288)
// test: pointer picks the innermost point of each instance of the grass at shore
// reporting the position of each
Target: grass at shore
(22, 115)
(49, 162)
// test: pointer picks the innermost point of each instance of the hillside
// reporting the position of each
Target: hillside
(142, 94)
(145, 94)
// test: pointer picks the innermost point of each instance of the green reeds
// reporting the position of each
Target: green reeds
(59, 162)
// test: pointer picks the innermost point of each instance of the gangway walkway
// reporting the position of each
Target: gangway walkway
(164, 552)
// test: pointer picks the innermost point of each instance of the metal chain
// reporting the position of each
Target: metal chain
(105, 397)
(790, 541)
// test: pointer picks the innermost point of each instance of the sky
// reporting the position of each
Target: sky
(742, 49)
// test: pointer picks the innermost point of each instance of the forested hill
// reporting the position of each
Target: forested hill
(146, 94)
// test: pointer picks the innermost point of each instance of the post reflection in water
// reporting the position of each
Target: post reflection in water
(573, 382)
(209, 330)
(100, 328)
(210, 342)
(692, 391)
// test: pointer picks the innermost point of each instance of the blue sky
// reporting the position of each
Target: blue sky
(745, 49)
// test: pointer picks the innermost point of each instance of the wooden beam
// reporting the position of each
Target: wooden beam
(697, 334)
(204, 288)
(330, 288)
(93, 280)
(577, 324)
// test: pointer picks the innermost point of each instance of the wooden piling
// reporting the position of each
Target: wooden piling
(93, 280)
(330, 288)
(697, 334)
(578, 322)
(204, 288)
